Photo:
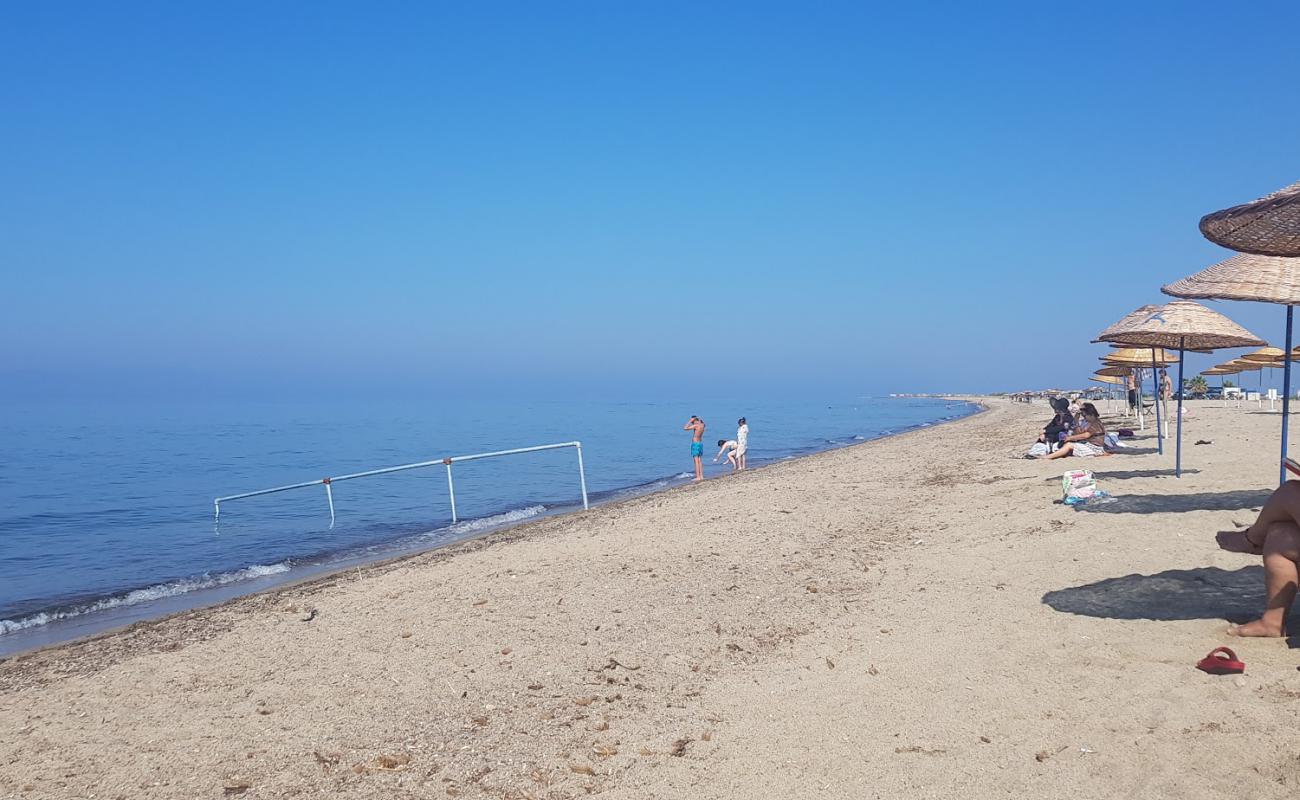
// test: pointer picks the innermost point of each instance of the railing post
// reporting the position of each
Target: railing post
(329, 495)
(451, 491)
(582, 476)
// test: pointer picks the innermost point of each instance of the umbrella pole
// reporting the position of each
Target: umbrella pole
(1178, 410)
(1137, 392)
(1286, 395)
(1155, 383)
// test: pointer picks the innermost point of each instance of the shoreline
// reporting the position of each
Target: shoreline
(729, 639)
(94, 625)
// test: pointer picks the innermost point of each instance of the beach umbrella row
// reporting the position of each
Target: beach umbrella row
(1182, 324)
(1266, 234)
(1135, 358)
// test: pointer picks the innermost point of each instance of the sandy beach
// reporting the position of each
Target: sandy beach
(912, 617)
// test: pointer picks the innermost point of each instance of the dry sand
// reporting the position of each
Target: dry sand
(913, 617)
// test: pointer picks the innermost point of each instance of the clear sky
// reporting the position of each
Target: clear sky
(280, 198)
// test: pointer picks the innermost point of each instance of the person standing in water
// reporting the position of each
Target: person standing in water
(696, 427)
(742, 443)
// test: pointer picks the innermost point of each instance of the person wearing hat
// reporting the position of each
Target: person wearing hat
(1061, 425)
(1088, 438)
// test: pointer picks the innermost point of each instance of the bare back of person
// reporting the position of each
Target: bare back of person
(696, 426)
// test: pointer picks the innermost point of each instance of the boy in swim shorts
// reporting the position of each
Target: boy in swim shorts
(696, 426)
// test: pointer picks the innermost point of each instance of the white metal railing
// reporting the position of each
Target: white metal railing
(447, 462)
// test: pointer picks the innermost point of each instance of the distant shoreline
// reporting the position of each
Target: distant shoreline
(94, 624)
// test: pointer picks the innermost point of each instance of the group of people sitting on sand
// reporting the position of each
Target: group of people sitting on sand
(1078, 432)
(1275, 533)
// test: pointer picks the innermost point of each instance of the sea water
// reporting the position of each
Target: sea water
(106, 513)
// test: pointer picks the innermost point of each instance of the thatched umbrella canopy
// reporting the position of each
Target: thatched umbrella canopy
(1260, 278)
(1183, 324)
(1140, 357)
(1269, 226)
(1264, 355)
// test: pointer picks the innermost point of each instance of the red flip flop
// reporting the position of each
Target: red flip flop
(1221, 661)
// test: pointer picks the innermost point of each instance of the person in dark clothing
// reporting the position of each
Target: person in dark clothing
(1061, 425)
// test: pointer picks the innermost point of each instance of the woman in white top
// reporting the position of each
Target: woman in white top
(742, 442)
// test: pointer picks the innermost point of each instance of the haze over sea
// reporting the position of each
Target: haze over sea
(106, 513)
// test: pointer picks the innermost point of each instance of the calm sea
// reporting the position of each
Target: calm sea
(106, 514)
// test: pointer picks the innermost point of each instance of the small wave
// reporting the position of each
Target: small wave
(859, 438)
(182, 586)
(683, 475)
(518, 515)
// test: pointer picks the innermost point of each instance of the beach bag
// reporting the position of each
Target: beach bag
(1039, 449)
(1113, 442)
(1078, 484)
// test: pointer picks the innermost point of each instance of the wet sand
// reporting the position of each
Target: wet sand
(910, 617)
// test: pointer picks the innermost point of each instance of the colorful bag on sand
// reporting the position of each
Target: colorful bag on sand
(1079, 484)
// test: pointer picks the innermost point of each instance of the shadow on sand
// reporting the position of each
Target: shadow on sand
(1128, 474)
(1235, 500)
(1175, 594)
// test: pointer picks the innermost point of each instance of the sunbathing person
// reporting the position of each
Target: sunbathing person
(1276, 536)
(1089, 437)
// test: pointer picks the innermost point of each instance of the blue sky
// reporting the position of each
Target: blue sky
(275, 199)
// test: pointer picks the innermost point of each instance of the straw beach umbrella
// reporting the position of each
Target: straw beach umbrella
(1118, 327)
(1269, 226)
(1179, 324)
(1102, 376)
(1265, 279)
(1222, 370)
(1248, 366)
(1139, 359)
(1264, 355)
(1118, 373)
